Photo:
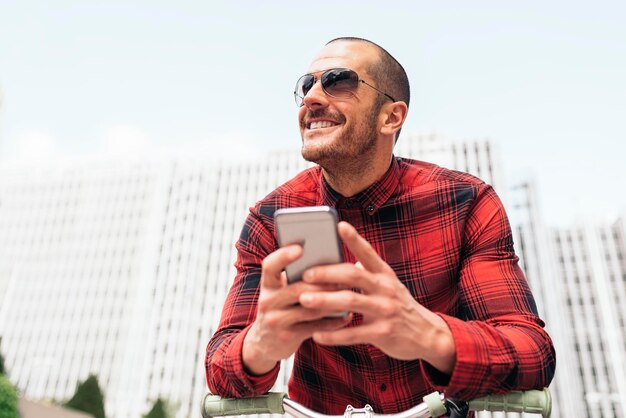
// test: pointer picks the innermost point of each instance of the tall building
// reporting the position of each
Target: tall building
(591, 264)
(534, 247)
(122, 270)
(74, 277)
(578, 276)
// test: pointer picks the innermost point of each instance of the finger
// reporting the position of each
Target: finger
(274, 264)
(361, 249)
(343, 275)
(307, 329)
(347, 300)
(362, 334)
(288, 296)
(296, 314)
(306, 315)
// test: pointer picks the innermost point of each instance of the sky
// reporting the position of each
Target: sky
(545, 81)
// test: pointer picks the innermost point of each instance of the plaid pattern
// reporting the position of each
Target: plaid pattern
(447, 237)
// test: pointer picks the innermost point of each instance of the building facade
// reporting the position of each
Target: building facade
(591, 266)
(122, 270)
(578, 276)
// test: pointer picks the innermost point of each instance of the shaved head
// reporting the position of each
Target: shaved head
(387, 73)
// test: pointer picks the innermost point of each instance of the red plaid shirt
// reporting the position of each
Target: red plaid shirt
(447, 237)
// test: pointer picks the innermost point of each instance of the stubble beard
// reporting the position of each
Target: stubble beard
(349, 153)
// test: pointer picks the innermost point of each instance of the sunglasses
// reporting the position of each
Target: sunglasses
(340, 83)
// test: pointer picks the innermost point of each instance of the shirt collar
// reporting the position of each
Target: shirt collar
(370, 199)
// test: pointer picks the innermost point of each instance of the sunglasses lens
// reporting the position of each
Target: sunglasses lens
(304, 84)
(340, 82)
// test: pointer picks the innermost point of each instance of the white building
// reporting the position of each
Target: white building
(534, 247)
(121, 270)
(75, 253)
(578, 276)
(592, 266)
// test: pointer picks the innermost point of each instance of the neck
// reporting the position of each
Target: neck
(350, 179)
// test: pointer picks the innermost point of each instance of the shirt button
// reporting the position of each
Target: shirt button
(349, 203)
(370, 208)
(383, 387)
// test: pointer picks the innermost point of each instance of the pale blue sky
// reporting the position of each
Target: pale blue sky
(546, 81)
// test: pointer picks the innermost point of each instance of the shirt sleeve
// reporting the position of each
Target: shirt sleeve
(225, 372)
(500, 341)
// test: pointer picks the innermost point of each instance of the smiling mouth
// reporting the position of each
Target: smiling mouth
(321, 124)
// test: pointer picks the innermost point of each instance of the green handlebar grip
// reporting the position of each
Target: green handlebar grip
(216, 406)
(531, 401)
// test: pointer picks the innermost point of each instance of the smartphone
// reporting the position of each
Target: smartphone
(315, 229)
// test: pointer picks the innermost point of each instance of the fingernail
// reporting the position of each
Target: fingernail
(308, 275)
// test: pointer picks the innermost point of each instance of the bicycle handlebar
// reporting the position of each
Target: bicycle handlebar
(532, 401)
(216, 406)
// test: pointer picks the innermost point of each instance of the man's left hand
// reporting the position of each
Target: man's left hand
(393, 320)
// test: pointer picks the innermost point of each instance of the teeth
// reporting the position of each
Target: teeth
(321, 124)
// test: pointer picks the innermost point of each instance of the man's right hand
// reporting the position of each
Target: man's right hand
(281, 323)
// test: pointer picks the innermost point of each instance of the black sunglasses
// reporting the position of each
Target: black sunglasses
(340, 83)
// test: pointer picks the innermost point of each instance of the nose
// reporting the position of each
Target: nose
(316, 97)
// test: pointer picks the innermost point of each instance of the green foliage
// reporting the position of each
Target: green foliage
(88, 398)
(2, 369)
(8, 399)
(159, 410)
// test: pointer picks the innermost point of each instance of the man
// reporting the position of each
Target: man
(437, 299)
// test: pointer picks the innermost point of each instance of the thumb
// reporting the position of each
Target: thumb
(274, 264)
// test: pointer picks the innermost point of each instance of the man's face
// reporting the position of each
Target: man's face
(335, 130)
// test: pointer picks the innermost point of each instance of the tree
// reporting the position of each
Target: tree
(2, 369)
(159, 410)
(8, 399)
(88, 398)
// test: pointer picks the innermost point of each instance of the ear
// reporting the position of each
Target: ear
(392, 118)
